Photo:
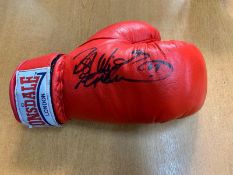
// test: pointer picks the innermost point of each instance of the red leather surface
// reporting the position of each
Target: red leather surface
(174, 93)
(126, 74)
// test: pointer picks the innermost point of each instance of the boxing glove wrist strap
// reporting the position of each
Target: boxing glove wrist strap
(32, 92)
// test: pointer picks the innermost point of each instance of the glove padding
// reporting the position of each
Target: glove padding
(122, 74)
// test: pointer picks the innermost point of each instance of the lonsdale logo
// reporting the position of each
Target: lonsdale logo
(33, 97)
(29, 89)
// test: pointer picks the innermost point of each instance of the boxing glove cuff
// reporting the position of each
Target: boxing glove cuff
(36, 91)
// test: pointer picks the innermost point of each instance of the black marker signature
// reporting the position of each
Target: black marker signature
(93, 68)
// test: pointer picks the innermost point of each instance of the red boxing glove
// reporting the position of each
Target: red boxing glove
(122, 74)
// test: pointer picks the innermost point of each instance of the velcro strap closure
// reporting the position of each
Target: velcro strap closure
(33, 97)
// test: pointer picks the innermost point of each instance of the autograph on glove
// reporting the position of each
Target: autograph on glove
(94, 68)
